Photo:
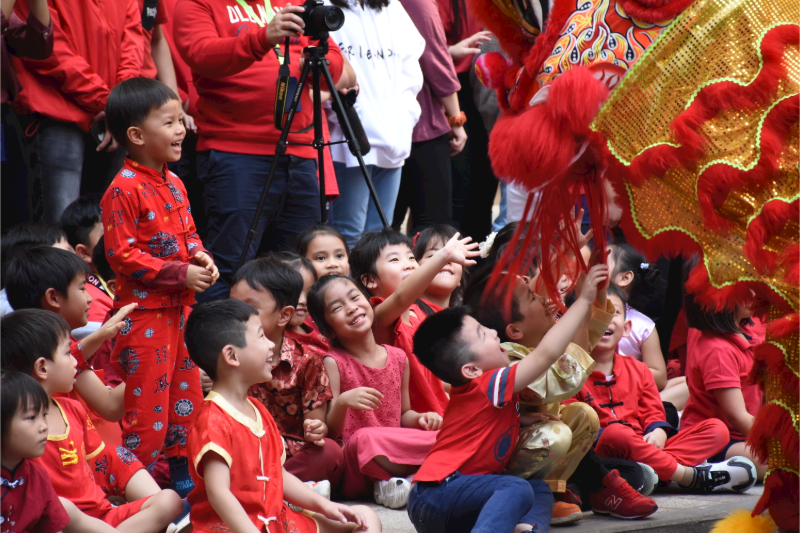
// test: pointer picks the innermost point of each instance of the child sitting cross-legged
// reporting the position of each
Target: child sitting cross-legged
(460, 486)
(235, 450)
(371, 410)
(623, 392)
(297, 395)
(37, 342)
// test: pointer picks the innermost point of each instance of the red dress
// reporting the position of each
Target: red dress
(29, 502)
(253, 450)
(425, 390)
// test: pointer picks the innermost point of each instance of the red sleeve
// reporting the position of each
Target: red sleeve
(498, 385)
(162, 17)
(208, 54)
(651, 410)
(316, 385)
(28, 39)
(54, 517)
(212, 433)
(435, 62)
(132, 48)
(119, 230)
(76, 352)
(718, 364)
(69, 71)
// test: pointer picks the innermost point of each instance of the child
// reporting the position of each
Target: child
(459, 486)
(152, 244)
(29, 501)
(302, 327)
(384, 265)
(235, 449)
(326, 248)
(718, 362)
(370, 407)
(638, 279)
(81, 222)
(23, 237)
(54, 280)
(37, 342)
(623, 393)
(297, 395)
(447, 287)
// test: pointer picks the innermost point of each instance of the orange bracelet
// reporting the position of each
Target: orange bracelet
(457, 122)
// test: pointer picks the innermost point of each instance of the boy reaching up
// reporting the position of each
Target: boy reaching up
(152, 245)
(236, 453)
(458, 487)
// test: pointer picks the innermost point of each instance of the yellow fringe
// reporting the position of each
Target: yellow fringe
(740, 521)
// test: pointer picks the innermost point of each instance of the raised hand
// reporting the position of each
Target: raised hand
(115, 324)
(285, 24)
(461, 250)
(590, 282)
(469, 46)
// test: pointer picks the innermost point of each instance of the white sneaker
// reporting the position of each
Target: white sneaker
(323, 488)
(650, 480)
(737, 474)
(393, 493)
(184, 526)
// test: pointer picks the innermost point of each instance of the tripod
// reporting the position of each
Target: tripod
(318, 65)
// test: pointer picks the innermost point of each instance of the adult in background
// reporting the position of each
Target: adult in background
(230, 47)
(96, 46)
(426, 183)
(383, 46)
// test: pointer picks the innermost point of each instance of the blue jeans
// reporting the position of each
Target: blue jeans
(480, 504)
(232, 185)
(354, 212)
(502, 215)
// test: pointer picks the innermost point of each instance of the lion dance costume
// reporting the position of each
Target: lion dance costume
(689, 111)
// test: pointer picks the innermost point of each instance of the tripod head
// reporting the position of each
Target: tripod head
(320, 20)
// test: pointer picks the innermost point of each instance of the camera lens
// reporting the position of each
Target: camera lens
(321, 19)
(334, 18)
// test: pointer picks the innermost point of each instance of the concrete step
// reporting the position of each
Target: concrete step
(683, 513)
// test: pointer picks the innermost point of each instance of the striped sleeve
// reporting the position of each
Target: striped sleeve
(500, 386)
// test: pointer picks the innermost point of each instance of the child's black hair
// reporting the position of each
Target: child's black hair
(616, 290)
(100, 261)
(80, 218)
(440, 346)
(316, 301)
(646, 291)
(438, 235)
(19, 392)
(364, 255)
(501, 240)
(698, 316)
(25, 236)
(271, 274)
(309, 234)
(27, 335)
(30, 274)
(295, 261)
(131, 101)
(213, 325)
(490, 311)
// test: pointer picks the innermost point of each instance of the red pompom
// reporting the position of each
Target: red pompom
(491, 70)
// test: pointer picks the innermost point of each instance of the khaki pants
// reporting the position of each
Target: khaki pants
(551, 450)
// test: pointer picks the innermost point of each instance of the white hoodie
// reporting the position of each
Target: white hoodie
(384, 48)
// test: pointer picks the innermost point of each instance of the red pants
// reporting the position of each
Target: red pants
(162, 384)
(316, 463)
(689, 447)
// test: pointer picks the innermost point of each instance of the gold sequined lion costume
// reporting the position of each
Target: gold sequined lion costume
(689, 111)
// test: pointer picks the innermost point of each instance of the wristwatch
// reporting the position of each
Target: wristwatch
(457, 122)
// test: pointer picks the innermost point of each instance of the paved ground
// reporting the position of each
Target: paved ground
(676, 512)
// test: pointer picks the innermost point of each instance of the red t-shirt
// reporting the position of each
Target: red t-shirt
(312, 339)
(101, 301)
(425, 390)
(253, 450)
(717, 362)
(30, 504)
(78, 463)
(155, 15)
(480, 428)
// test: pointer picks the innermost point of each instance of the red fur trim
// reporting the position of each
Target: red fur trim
(575, 99)
(790, 259)
(657, 11)
(546, 41)
(774, 421)
(772, 219)
(781, 495)
(785, 326)
(508, 32)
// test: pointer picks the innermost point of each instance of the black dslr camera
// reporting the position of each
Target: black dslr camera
(321, 19)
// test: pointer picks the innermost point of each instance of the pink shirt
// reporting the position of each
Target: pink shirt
(641, 328)
(388, 380)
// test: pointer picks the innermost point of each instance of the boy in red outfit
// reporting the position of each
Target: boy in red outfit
(235, 449)
(297, 396)
(37, 342)
(152, 245)
(632, 420)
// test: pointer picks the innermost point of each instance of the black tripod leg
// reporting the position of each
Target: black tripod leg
(352, 143)
(319, 139)
(280, 151)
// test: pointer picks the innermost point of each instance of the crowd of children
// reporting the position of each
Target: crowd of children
(387, 370)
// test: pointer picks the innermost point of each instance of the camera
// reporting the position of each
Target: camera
(321, 19)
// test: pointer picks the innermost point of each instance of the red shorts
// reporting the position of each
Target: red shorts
(116, 515)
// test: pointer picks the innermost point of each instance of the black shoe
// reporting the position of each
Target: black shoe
(737, 474)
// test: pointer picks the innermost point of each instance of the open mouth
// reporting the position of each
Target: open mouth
(177, 145)
(357, 320)
(447, 271)
(608, 333)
